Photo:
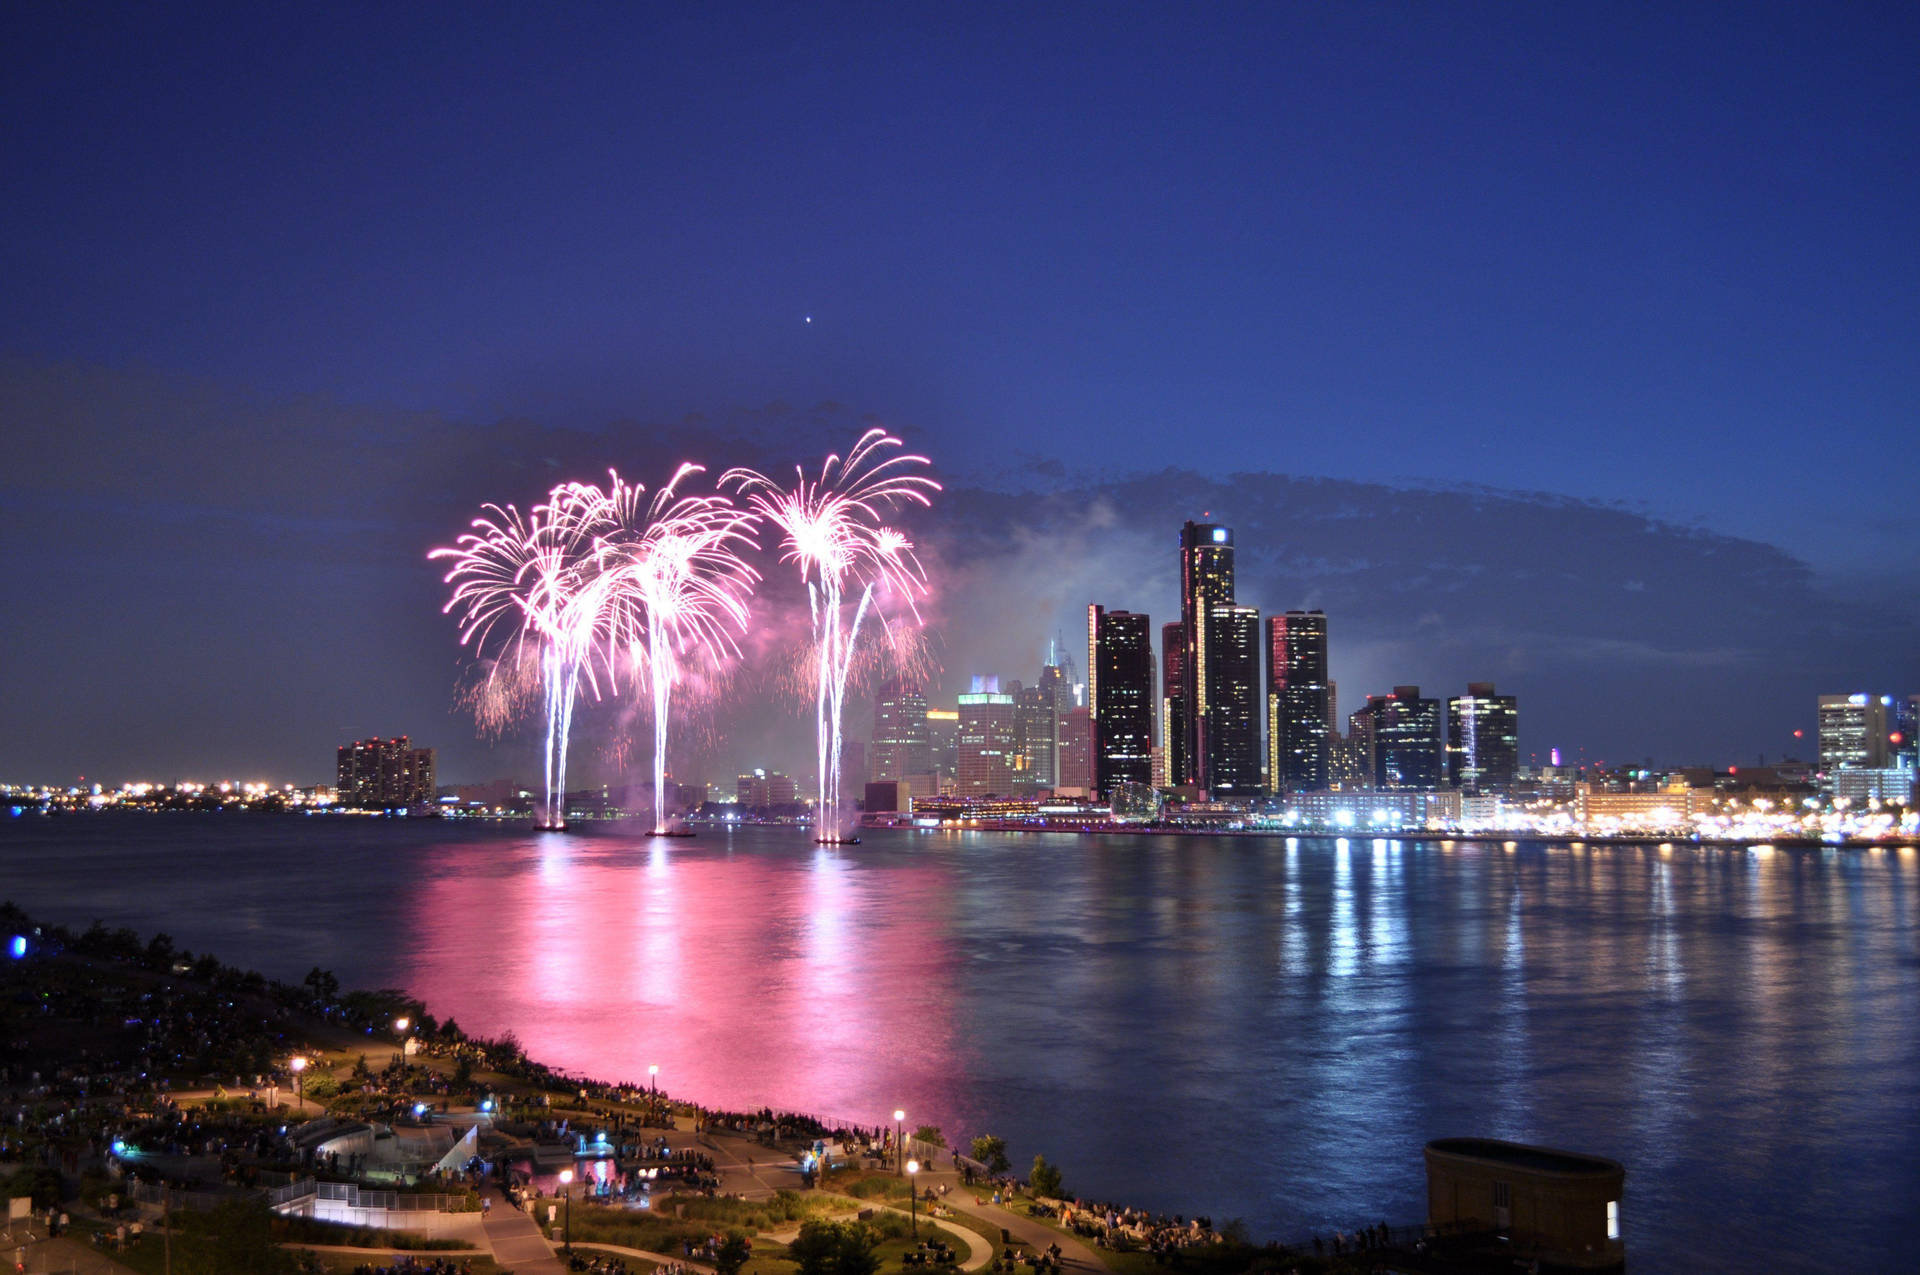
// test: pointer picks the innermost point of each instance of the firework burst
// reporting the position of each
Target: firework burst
(834, 529)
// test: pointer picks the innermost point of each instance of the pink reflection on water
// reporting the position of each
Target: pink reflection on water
(776, 978)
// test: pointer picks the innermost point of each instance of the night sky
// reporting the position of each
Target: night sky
(1574, 348)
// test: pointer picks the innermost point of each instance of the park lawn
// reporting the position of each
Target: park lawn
(662, 1232)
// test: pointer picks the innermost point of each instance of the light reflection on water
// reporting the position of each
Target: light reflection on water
(1268, 1029)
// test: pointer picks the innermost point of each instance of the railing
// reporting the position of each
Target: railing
(354, 1197)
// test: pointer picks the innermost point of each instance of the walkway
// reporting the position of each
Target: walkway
(516, 1240)
(1036, 1235)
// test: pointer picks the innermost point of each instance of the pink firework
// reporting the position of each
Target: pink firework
(834, 529)
(689, 586)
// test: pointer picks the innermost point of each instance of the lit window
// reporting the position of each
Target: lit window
(1613, 1219)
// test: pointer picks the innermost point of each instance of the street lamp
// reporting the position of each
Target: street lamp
(299, 1066)
(913, 1198)
(899, 1136)
(653, 1078)
(566, 1181)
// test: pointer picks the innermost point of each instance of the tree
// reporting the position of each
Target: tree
(1045, 1178)
(930, 1134)
(992, 1152)
(732, 1254)
(834, 1248)
(322, 984)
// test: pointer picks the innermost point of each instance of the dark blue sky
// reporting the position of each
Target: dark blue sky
(1667, 259)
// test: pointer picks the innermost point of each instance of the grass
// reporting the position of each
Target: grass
(345, 1263)
(660, 1231)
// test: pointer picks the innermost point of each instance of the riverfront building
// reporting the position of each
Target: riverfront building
(1483, 739)
(1206, 582)
(1233, 699)
(1557, 1208)
(1406, 738)
(1299, 702)
(383, 774)
(902, 742)
(1855, 732)
(987, 727)
(1120, 695)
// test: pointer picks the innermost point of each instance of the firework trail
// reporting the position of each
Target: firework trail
(687, 583)
(536, 585)
(833, 529)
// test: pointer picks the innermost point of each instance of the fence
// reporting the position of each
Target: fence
(349, 1195)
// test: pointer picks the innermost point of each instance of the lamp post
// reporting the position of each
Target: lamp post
(566, 1183)
(400, 1026)
(899, 1138)
(653, 1078)
(913, 1197)
(299, 1066)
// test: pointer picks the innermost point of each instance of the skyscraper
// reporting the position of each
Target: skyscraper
(1483, 739)
(1053, 679)
(1076, 748)
(902, 743)
(1206, 581)
(1173, 707)
(383, 774)
(943, 736)
(1233, 699)
(1033, 737)
(986, 741)
(1854, 732)
(1120, 693)
(1407, 746)
(1299, 702)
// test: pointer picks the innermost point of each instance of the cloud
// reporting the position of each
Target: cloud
(207, 579)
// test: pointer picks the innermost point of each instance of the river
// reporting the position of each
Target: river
(1267, 1029)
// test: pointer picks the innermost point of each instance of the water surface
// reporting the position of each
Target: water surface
(1264, 1029)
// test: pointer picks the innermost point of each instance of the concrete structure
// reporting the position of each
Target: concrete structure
(762, 789)
(1557, 1207)
(1076, 749)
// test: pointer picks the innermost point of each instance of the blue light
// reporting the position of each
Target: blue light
(18, 947)
(119, 1147)
(419, 1108)
(1219, 535)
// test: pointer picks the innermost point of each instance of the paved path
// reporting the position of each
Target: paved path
(661, 1259)
(1037, 1235)
(516, 1240)
(62, 1257)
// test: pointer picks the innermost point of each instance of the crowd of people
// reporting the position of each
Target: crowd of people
(408, 1265)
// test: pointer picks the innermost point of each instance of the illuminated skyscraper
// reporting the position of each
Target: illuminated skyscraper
(943, 738)
(1483, 739)
(987, 723)
(1036, 736)
(1206, 582)
(902, 744)
(1173, 707)
(1076, 748)
(1120, 693)
(1233, 699)
(384, 774)
(1855, 732)
(1407, 742)
(1299, 702)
